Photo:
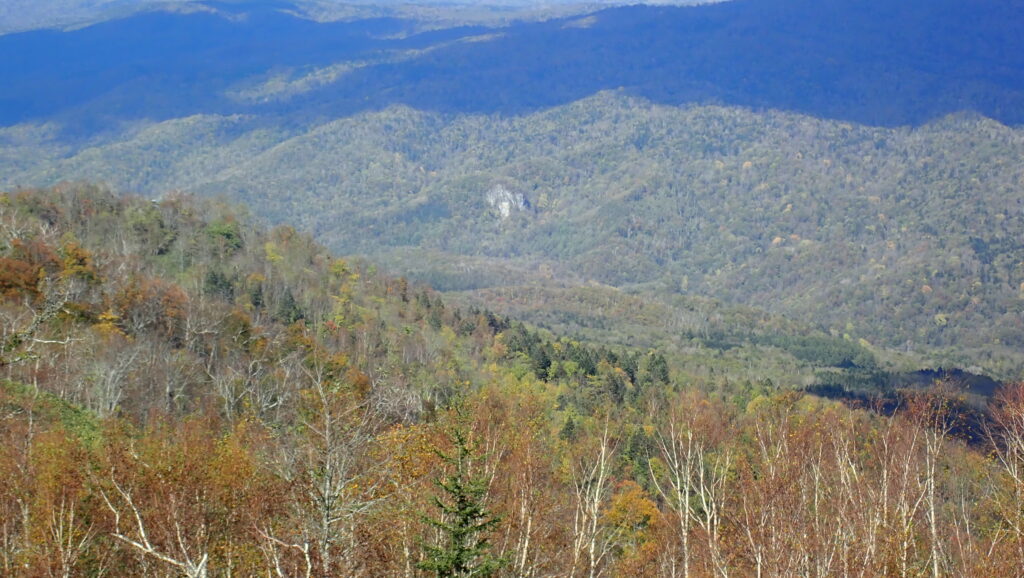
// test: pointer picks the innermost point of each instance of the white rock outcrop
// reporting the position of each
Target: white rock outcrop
(505, 201)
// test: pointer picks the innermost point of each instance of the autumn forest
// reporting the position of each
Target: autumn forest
(187, 393)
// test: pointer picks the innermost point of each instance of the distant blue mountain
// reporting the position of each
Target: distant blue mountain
(162, 65)
(881, 62)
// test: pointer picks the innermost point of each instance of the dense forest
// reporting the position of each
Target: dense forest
(184, 392)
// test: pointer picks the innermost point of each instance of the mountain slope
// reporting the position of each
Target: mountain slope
(903, 237)
(872, 62)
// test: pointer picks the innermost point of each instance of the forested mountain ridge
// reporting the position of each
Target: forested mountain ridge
(864, 178)
(184, 393)
(902, 237)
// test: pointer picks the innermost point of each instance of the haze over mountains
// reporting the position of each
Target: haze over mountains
(874, 62)
(23, 15)
(850, 164)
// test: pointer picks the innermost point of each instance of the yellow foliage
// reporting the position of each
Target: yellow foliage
(107, 325)
(632, 512)
(409, 451)
(270, 248)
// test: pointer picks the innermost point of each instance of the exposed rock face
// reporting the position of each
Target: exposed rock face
(505, 201)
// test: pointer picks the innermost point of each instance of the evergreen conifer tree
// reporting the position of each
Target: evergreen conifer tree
(464, 521)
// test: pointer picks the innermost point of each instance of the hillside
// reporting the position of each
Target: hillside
(186, 393)
(903, 237)
(125, 307)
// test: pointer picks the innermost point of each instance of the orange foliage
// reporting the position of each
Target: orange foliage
(640, 527)
(17, 278)
(37, 252)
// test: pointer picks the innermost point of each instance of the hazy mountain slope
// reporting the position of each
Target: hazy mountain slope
(25, 15)
(20, 15)
(874, 62)
(161, 65)
(176, 154)
(900, 236)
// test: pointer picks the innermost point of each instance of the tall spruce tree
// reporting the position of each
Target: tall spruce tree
(464, 521)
